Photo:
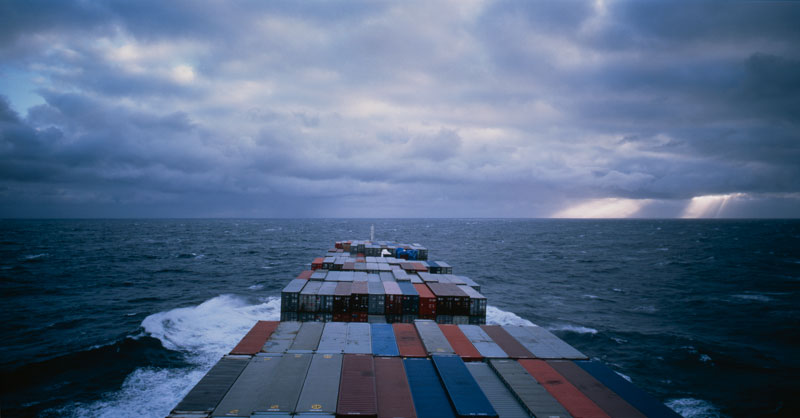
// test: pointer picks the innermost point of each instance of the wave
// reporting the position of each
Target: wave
(573, 328)
(693, 408)
(32, 258)
(754, 297)
(497, 316)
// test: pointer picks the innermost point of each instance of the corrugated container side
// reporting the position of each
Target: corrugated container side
(477, 302)
(320, 389)
(283, 389)
(383, 341)
(394, 298)
(290, 295)
(326, 294)
(255, 338)
(529, 341)
(341, 298)
(567, 395)
(358, 339)
(410, 300)
(604, 397)
(309, 297)
(482, 342)
(357, 387)
(377, 298)
(502, 400)
(427, 302)
(334, 338)
(528, 391)
(466, 396)
(509, 344)
(282, 338)
(408, 342)
(432, 337)
(209, 391)
(430, 398)
(561, 348)
(248, 389)
(359, 301)
(308, 337)
(460, 343)
(391, 388)
(640, 399)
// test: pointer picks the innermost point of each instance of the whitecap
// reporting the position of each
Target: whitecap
(705, 358)
(497, 316)
(754, 297)
(35, 256)
(590, 296)
(624, 376)
(693, 408)
(573, 328)
(256, 287)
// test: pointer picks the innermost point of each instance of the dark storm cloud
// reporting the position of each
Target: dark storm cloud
(496, 108)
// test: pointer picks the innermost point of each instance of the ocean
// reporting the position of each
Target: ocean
(120, 318)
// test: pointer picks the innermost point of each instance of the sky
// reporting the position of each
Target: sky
(574, 109)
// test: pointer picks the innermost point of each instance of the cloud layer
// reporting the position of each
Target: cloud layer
(399, 109)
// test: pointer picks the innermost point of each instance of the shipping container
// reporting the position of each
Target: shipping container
(394, 298)
(321, 387)
(333, 339)
(482, 341)
(383, 341)
(341, 298)
(349, 266)
(427, 302)
(374, 278)
(408, 342)
(327, 263)
(282, 390)
(305, 275)
(410, 298)
(360, 276)
(460, 343)
(509, 344)
(640, 399)
(428, 277)
(502, 400)
(461, 319)
(358, 339)
(528, 391)
(430, 397)
(309, 297)
(326, 294)
(290, 295)
(357, 387)
(255, 338)
(466, 396)
(391, 388)
(317, 263)
(247, 391)
(307, 338)
(450, 300)
(359, 299)
(604, 397)
(542, 343)
(469, 282)
(376, 319)
(575, 402)
(477, 302)
(282, 338)
(432, 337)
(319, 275)
(377, 298)
(386, 276)
(209, 391)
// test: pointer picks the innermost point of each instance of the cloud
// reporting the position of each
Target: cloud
(468, 108)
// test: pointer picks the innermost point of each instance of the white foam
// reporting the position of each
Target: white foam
(204, 333)
(705, 358)
(624, 376)
(693, 408)
(754, 297)
(497, 316)
(573, 328)
(256, 287)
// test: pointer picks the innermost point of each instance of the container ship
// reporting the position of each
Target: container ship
(374, 329)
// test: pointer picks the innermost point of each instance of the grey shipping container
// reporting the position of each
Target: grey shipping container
(531, 394)
(248, 390)
(542, 343)
(502, 400)
(333, 339)
(307, 338)
(309, 297)
(319, 275)
(359, 339)
(373, 278)
(326, 293)
(282, 338)
(209, 391)
(386, 276)
(482, 341)
(477, 302)
(321, 388)
(290, 295)
(432, 337)
(469, 282)
(283, 389)
(377, 298)
(410, 298)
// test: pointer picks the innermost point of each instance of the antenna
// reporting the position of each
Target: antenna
(372, 232)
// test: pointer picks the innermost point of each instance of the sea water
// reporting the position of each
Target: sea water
(120, 318)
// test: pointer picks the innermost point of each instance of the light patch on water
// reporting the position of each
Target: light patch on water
(204, 333)
(754, 297)
(624, 376)
(573, 328)
(497, 316)
(693, 408)
(256, 287)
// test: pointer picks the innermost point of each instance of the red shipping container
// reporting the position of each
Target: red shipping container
(317, 263)
(341, 317)
(509, 344)
(408, 341)
(394, 298)
(341, 298)
(357, 387)
(305, 275)
(427, 301)
(391, 388)
(359, 301)
(460, 343)
(604, 397)
(255, 339)
(338, 244)
(565, 393)
(419, 267)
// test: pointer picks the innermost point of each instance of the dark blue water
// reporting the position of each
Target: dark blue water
(121, 317)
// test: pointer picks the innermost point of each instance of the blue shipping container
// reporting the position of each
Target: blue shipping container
(638, 398)
(464, 392)
(430, 398)
(383, 342)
